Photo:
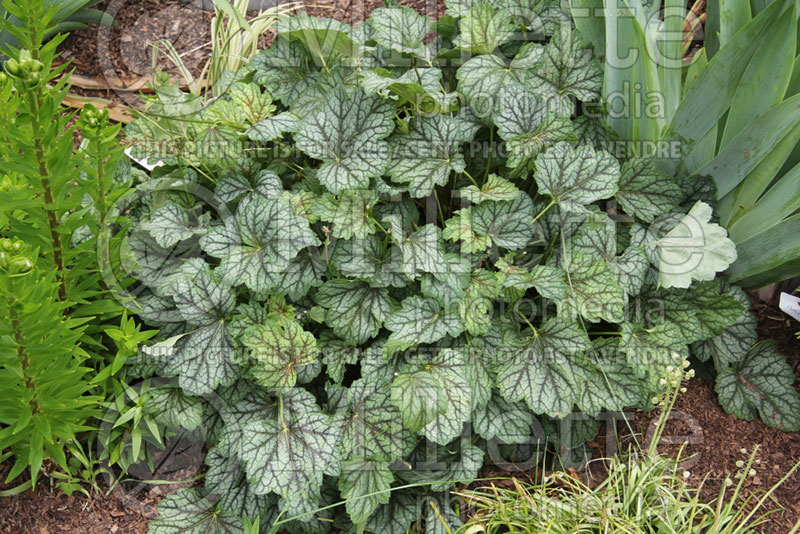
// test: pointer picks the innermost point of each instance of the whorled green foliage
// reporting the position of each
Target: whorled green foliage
(388, 277)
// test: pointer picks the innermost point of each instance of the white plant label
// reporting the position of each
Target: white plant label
(790, 305)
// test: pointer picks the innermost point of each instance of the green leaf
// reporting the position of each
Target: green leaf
(592, 291)
(273, 127)
(353, 309)
(288, 453)
(608, 383)
(575, 177)
(170, 224)
(374, 426)
(227, 481)
(649, 351)
(645, 191)
(173, 408)
(364, 485)
(370, 260)
(458, 385)
(422, 251)
(568, 68)
(396, 516)
(459, 228)
(494, 188)
(259, 242)
(426, 155)
(277, 349)
(348, 134)
(233, 185)
(732, 344)
(189, 513)
(349, 213)
(326, 39)
(695, 249)
(505, 421)
(483, 29)
(401, 29)
(419, 397)
(483, 77)
(761, 383)
(420, 320)
(477, 306)
(203, 358)
(506, 223)
(537, 368)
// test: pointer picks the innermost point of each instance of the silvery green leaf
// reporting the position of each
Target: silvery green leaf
(353, 309)
(425, 156)
(273, 127)
(284, 68)
(450, 369)
(645, 191)
(422, 251)
(695, 249)
(226, 480)
(288, 453)
(349, 213)
(477, 306)
(233, 185)
(608, 383)
(419, 321)
(370, 260)
(649, 351)
(502, 420)
(592, 291)
(483, 29)
(506, 223)
(259, 242)
(373, 427)
(277, 349)
(569, 68)
(459, 228)
(575, 177)
(347, 135)
(174, 409)
(419, 397)
(396, 516)
(365, 485)
(401, 29)
(732, 344)
(483, 77)
(326, 39)
(538, 368)
(186, 512)
(494, 188)
(761, 383)
(170, 224)
(450, 286)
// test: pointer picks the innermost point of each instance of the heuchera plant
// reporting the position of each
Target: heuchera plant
(379, 256)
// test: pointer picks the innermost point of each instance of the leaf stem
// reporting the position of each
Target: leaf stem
(552, 203)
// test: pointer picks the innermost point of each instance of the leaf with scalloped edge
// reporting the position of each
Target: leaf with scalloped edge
(761, 383)
(288, 453)
(419, 321)
(365, 485)
(259, 242)
(273, 127)
(233, 186)
(537, 368)
(645, 191)
(576, 176)
(174, 409)
(506, 223)
(284, 68)
(226, 480)
(419, 397)
(369, 259)
(277, 349)
(349, 213)
(422, 251)
(186, 512)
(508, 422)
(494, 188)
(170, 224)
(327, 40)
(695, 249)
(425, 156)
(484, 28)
(353, 309)
(399, 28)
(459, 228)
(347, 134)
(608, 382)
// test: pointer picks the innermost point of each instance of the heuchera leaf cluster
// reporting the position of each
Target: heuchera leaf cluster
(381, 254)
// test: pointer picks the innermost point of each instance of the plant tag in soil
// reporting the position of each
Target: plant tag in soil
(790, 305)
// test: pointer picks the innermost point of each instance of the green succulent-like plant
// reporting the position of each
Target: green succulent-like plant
(61, 16)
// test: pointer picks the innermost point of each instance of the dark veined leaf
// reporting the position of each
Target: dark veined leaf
(761, 383)
(353, 309)
(347, 133)
(273, 127)
(645, 191)
(539, 369)
(396, 516)
(420, 320)
(422, 251)
(259, 242)
(187, 512)
(277, 349)
(575, 177)
(365, 486)
(494, 188)
(173, 408)
(419, 397)
(506, 223)
(484, 28)
(349, 213)
(508, 422)
(227, 482)
(651, 351)
(288, 453)
(459, 228)
(425, 156)
(401, 29)
(734, 342)
(284, 68)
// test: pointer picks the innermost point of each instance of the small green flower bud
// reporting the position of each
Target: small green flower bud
(20, 266)
(16, 246)
(4, 260)
(25, 55)
(12, 67)
(6, 244)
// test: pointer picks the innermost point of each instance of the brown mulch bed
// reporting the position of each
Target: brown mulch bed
(716, 439)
